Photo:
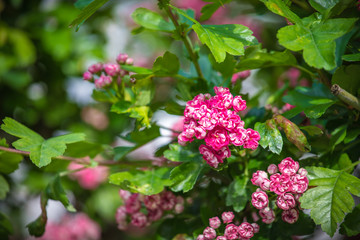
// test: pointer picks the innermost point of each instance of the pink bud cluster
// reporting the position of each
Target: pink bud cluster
(288, 185)
(215, 119)
(244, 231)
(88, 178)
(141, 210)
(108, 72)
(74, 227)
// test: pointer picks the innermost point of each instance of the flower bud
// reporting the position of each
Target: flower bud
(121, 58)
(95, 68)
(87, 76)
(272, 169)
(214, 222)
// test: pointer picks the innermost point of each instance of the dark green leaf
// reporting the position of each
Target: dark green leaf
(293, 133)
(270, 136)
(121, 107)
(120, 152)
(237, 195)
(255, 57)
(330, 7)
(184, 177)
(351, 226)
(351, 135)
(178, 153)
(337, 136)
(166, 65)
(83, 149)
(351, 57)
(5, 227)
(104, 96)
(37, 227)
(81, 4)
(87, 12)
(55, 191)
(151, 20)
(280, 7)
(316, 38)
(9, 162)
(146, 135)
(208, 10)
(344, 162)
(312, 130)
(41, 150)
(330, 199)
(135, 69)
(347, 77)
(4, 187)
(146, 182)
(226, 68)
(313, 101)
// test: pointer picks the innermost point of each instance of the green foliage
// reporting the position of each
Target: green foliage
(55, 191)
(87, 12)
(4, 187)
(328, 8)
(146, 182)
(151, 20)
(270, 136)
(337, 136)
(351, 57)
(184, 177)
(178, 153)
(313, 101)
(312, 130)
(351, 226)
(37, 227)
(347, 78)
(167, 65)
(237, 196)
(83, 149)
(255, 57)
(41, 150)
(209, 9)
(5, 227)
(331, 198)
(9, 162)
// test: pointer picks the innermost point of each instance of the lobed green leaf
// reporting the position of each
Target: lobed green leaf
(237, 196)
(270, 136)
(184, 177)
(151, 20)
(4, 187)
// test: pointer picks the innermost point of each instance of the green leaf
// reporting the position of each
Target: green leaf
(347, 77)
(312, 130)
(338, 135)
(121, 107)
(351, 57)
(87, 12)
(166, 65)
(83, 149)
(145, 182)
(9, 162)
(41, 150)
(330, 199)
(313, 101)
(104, 96)
(81, 4)
(330, 7)
(184, 177)
(280, 7)
(178, 153)
(226, 68)
(135, 69)
(351, 226)
(151, 20)
(237, 195)
(344, 162)
(209, 9)
(5, 227)
(293, 133)
(227, 38)
(255, 57)
(142, 114)
(351, 135)
(120, 152)
(270, 136)
(145, 135)
(4, 187)
(316, 39)
(55, 191)
(37, 227)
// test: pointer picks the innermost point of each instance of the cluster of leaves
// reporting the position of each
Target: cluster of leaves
(323, 45)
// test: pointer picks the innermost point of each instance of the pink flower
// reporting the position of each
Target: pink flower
(201, 237)
(182, 139)
(280, 183)
(209, 233)
(112, 69)
(179, 208)
(121, 218)
(259, 199)
(299, 183)
(253, 140)
(209, 156)
(154, 214)
(89, 178)
(87, 76)
(138, 220)
(217, 138)
(200, 132)
(221, 90)
(231, 232)
(267, 214)
(102, 81)
(121, 58)
(272, 169)
(285, 201)
(238, 104)
(288, 166)
(227, 217)
(95, 68)
(124, 194)
(256, 227)
(168, 200)
(214, 222)
(265, 184)
(221, 238)
(302, 172)
(246, 230)
(133, 204)
(290, 216)
(152, 202)
(222, 100)
(258, 177)
(240, 76)
(129, 61)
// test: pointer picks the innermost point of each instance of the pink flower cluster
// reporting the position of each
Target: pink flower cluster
(72, 227)
(240, 76)
(215, 119)
(109, 72)
(288, 185)
(88, 178)
(244, 231)
(141, 210)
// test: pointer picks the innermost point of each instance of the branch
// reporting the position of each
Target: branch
(186, 41)
(345, 96)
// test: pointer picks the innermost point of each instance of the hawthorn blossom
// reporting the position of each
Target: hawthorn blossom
(285, 201)
(138, 220)
(214, 222)
(227, 217)
(231, 232)
(259, 199)
(288, 166)
(290, 216)
(246, 230)
(209, 233)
